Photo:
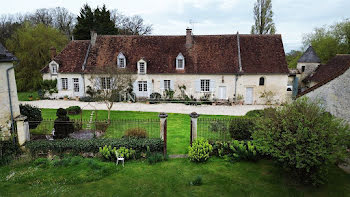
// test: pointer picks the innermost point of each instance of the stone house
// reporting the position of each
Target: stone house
(9, 105)
(329, 83)
(224, 66)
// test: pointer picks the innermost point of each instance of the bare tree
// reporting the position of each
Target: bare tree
(43, 16)
(130, 25)
(109, 83)
(64, 20)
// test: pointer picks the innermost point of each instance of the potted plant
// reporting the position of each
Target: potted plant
(240, 99)
(77, 98)
(30, 97)
(65, 97)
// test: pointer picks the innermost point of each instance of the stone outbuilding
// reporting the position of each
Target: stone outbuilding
(11, 120)
(330, 84)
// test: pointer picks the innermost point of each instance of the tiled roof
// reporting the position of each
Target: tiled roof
(210, 54)
(309, 56)
(326, 73)
(6, 56)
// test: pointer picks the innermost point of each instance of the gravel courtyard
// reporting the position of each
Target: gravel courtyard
(237, 110)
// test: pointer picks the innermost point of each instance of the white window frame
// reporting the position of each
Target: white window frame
(105, 83)
(64, 83)
(179, 58)
(54, 68)
(144, 64)
(167, 84)
(121, 60)
(76, 86)
(142, 86)
(205, 85)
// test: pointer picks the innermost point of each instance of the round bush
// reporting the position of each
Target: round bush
(242, 128)
(303, 138)
(33, 115)
(73, 110)
(200, 150)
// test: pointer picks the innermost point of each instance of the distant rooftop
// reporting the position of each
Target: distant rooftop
(309, 56)
(5, 55)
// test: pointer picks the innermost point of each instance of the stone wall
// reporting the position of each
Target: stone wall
(5, 114)
(335, 96)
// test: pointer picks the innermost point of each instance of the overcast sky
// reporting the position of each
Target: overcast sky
(293, 18)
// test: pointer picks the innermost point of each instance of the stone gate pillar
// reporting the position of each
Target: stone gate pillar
(194, 116)
(163, 129)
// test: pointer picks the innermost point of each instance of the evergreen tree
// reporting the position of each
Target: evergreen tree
(98, 20)
(85, 23)
(263, 18)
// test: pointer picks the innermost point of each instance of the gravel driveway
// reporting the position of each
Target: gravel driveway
(237, 110)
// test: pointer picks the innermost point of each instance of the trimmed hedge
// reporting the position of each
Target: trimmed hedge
(87, 146)
(33, 115)
(73, 110)
(9, 151)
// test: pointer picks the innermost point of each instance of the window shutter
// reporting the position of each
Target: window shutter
(135, 87)
(70, 83)
(97, 83)
(59, 84)
(198, 85)
(161, 85)
(212, 85)
(149, 88)
(172, 85)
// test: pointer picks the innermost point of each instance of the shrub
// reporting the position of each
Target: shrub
(155, 96)
(200, 150)
(87, 99)
(303, 138)
(255, 113)
(76, 146)
(243, 151)
(197, 181)
(63, 127)
(102, 126)
(33, 115)
(126, 153)
(136, 132)
(242, 128)
(8, 151)
(73, 110)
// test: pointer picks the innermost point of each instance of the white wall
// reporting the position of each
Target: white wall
(5, 114)
(70, 91)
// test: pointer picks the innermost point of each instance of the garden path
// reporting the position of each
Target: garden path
(236, 110)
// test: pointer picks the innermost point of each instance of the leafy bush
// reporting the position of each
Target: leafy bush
(255, 113)
(155, 96)
(126, 153)
(63, 127)
(200, 150)
(243, 151)
(49, 86)
(303, 138)
(169, 94)
(107, 152)
(197, 181)
(87, 99)
(155, 158)
(77, 146)
(73, 110)
(102, 126)
(77, 125)
(8, 151)
(33, 115)
(136, 132)
(242, 128)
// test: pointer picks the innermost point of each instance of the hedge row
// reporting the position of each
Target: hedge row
(8, 151)
(87, 146)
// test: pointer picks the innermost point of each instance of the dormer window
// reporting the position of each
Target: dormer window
(180, 61)
(54, 69)
(121, 61)
(142, 67)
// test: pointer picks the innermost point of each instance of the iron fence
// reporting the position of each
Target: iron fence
(217, 129)
(110, 129)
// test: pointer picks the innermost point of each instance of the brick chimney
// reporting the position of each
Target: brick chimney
(93, 37)
(53, 52)
(189, 39)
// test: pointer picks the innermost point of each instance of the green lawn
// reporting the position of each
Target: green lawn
(24, 96)
(178, 125)
(170, 178)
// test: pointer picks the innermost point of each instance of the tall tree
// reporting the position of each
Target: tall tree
(263, 18)
(85, 23)
(329, 40)
(31, 44)
(98, 20)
